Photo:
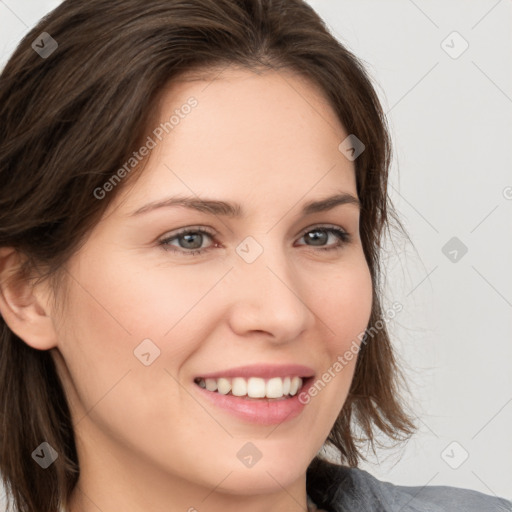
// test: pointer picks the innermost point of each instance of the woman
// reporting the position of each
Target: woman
(193, 197)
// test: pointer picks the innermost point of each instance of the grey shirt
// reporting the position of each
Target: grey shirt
(342, 489)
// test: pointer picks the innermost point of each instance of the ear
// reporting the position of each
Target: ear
(23, 306)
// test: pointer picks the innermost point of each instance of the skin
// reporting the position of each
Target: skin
(146, 439)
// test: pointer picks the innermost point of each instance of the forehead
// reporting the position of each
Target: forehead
(252, 133)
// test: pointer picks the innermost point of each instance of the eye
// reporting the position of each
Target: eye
(320, 235)
(190, 240)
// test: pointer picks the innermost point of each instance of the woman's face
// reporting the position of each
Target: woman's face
(147, 314)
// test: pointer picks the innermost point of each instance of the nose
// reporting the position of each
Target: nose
(269, 296)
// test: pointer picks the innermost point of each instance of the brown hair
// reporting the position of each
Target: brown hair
(70, 120)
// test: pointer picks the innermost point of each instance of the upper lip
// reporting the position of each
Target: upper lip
(263, 371)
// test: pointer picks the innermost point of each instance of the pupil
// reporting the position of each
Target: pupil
(314, 238)
(190, 242)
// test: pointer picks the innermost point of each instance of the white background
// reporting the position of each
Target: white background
(452, 130)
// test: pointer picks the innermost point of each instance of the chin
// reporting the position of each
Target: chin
(260, 480)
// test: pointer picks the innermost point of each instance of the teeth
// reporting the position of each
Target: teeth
(211, 384)
(254, 387)
(223, 386)
(239, 387)
(286, 385)
(274, 388)
(295, 385)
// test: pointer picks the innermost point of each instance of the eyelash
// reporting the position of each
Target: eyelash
(343, 239)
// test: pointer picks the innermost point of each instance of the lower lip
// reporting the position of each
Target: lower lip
(260, 411)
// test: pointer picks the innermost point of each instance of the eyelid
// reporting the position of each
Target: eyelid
(322, 226)
(183, 231)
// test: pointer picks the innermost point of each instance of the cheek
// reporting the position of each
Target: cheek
(106, 321)
(151, 299)
(345, 308)
(113, 306)
(345, 305)
(127, 300)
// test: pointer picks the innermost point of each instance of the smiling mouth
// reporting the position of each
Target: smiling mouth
(255, 388)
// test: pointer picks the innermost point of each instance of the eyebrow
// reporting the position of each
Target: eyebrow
(235, 210)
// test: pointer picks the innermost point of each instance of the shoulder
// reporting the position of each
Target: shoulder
(342, 489)
(431, 498)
